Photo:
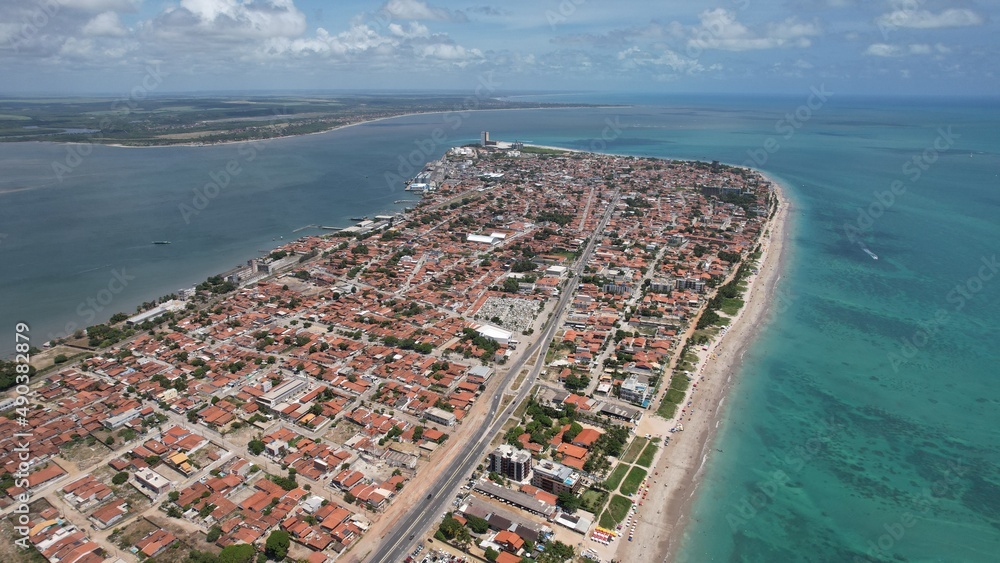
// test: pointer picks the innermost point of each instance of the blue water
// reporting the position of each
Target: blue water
(839, 442)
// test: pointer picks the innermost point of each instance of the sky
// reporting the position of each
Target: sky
(894, 47)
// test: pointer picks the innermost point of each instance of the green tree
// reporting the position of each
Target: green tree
(237, 553)
(213, 534)
(478, 525)
(277, 545)
(119, 478)
(556, 552)
(569, 501)
(492, 554)
(450, 526)
(255, 446)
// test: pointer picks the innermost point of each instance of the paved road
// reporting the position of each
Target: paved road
(420, 518)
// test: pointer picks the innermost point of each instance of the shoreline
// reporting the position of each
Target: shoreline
(676, 475)
(337, 128)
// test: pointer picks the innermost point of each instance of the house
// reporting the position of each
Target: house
(509, 541)
(109, 514)
(156, 542)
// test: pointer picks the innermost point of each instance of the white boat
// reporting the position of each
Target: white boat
(870, 253)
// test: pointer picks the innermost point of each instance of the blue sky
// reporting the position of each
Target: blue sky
(735, 46)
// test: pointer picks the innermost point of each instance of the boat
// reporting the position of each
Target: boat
(870, 253)
(359, 218)
(161, 242)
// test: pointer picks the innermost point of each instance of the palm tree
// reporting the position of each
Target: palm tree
(463, 538)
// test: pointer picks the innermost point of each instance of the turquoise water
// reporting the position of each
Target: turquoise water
(839, 443)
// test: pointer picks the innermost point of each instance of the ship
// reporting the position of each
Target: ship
(365, 218)
(161, 242)
(870, 253)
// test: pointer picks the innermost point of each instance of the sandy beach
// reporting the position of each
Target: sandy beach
(673, 481)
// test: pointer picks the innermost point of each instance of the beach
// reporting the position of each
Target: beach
(673, 480)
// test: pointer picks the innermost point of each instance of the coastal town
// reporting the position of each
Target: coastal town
(501, 373)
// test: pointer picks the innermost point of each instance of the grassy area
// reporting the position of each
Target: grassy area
(731, 306)
(617, 511)
(634, 450)
(667, 409)
(646, 459)
(633, 480)
(593, 500)
(676, 392)
(616, 477)
(540, 150)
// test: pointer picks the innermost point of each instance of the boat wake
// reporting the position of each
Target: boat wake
(869, 252)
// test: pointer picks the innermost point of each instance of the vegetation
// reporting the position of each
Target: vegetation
(646, 459)
(215, 285)
(8, 374)
(556, 552)
(616, 477)
(592, 500)
(167, 120)
(632, 481)
(617, 511)
(277, 545)
(634, 450)
(119, 478)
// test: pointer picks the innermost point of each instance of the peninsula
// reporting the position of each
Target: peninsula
(160, 120)
(528, 365)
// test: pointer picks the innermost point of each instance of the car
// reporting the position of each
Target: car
(430, 496)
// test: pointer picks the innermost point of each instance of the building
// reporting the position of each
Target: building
(483, 372)
(107, 515)
(121, 418)
(620, 412)
(440, 416)
(281, 392)
(555, 478)
(152, 481)
(497, 334)
(513, 463)
(690, 283)
(634, 391)
(155, 312)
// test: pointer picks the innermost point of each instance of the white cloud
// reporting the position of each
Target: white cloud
(99, 5)
(923, 19)
(635, 58)
(227, 20)
(417, 10)
(105, 24)
(719, 29)
(886, 50)
(414, 29)
(883, 50)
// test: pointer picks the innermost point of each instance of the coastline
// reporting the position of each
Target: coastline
(337, 128)
(676, 474)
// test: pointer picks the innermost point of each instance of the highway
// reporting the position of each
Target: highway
(419, 518)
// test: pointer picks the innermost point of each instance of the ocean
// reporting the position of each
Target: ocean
(863, 423)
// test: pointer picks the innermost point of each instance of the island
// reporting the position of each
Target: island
(529, 364)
